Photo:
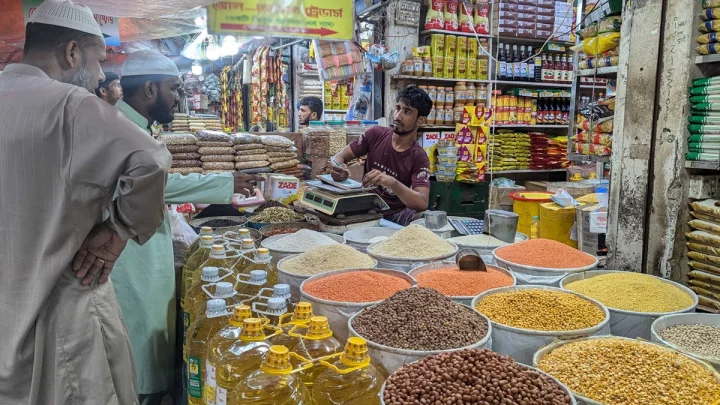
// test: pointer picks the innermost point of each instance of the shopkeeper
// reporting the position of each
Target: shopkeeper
(144, 276)
(396, 164)
(311, 109)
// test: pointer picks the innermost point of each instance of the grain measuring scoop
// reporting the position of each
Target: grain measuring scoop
(470, 260)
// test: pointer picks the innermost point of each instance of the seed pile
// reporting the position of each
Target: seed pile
(537, 309)
(545, 253)
(356, 286)
(633, 292)
(480, 240)
(276, 215)
(326, 258)
(222, 223)
(301, 241)
(421, 319)
(453, 282)
(623, 371)
(471, 376)
(413, 242)
(695, 338)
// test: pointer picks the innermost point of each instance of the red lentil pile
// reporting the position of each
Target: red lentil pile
(544, 253)
(355, 286)
(454, 282)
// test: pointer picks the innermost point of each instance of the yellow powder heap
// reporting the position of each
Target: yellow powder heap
(633, 292)
(322, 259)
(413, 242)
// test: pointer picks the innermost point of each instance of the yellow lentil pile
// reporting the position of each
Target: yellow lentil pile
(618, 371)
(413, 242)
(544, 310)
(633, 292)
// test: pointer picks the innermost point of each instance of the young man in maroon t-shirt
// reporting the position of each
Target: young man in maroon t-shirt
(396, 163)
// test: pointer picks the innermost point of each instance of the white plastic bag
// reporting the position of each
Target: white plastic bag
(181, 230)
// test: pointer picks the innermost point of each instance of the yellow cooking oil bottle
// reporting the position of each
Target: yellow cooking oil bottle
(195, 262)
(298, 320)
(247, 250)
(196, 297)
(348, 378)
(276, 383)
(199, 335)
(271, 309)
(260, 260)
(218, 258)
(219, 344)
(204, 231)
(317, 342)
(250, 285)
(241, 358)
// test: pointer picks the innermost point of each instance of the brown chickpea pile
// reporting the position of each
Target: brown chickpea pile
(471, 376)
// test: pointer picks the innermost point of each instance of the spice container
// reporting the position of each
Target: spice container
(431, 116)
(432, 93)
(458, 113)
(440, 97)
(316, 140)
(427, 66)
(470, 94)
(407, 67)
(447, 159)
(418, 66)
(460, 93)
(449, 114)
(449, 96)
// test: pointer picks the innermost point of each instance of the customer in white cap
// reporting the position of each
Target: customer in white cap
(63, 152)
(150, 84)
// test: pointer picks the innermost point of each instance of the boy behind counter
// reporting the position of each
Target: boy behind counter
(396, 163)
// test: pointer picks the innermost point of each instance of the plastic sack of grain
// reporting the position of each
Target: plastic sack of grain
(242, 138)
(256, 170)
(212, 144)
(186, 156)
(280, 159)
(177, 139)
(218, 165)
(704, 266)
(709, 207)
(185, 170)
(186, 163)
(247, 152)
(704, 238)
(217, 158)
(291, 148)
(709, 26)
(709, 38)
(251, 165)
(706, 107)
(248, 146)
(589, 31)
(282, 154)
(708, 49)
(699, 247)
(217, 151)
(212, 136)
(275, 140)
(601, 43)
(705, 217)
(609, 24)
(284, 165)
(182, 148)
(251, 158)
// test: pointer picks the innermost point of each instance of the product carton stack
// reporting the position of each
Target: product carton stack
(509, 151)
(548, 152)
(704, 141)
(535, 19)
(703, 244)
(184, 151)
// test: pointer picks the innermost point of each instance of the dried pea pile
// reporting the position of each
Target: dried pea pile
(695, 338)
(537, 309)
(471, 376)
(633, 292)
(421, 319)
(623, 371)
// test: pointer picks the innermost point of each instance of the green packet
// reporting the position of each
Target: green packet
(711, 157)
(706, 107)
(704, 129)
(706, 81)
(705, 90)
(708, 119)
(704, 138)
(705, 99)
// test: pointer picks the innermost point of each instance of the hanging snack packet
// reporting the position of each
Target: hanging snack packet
(434, 19)
(710, 38)
(451, 15)
(708, 49)
(709, 26)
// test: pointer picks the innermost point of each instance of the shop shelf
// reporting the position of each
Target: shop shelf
(505, 83)
(435, 127)
(335, 111)
(459, 34)
(695, 164)
(574, 157)
(603, 71)
(437, 79)
(519, 40)
(701, 59)
(526, 171)
(524, 126)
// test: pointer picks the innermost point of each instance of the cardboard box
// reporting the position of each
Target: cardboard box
(546, 3)
(527, 17)
(527, 9)
(281, 188)
(506, 23)
(527, 33)
(545, 19)
(544, 27)
(507, 31)
(508, 15)
(545, 11)
(525, 25)
(508, 7)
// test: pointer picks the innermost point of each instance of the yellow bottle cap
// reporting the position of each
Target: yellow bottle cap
(319, 328)
(248, 244)
(244, 232)
(593, 175)
(355, 353)
(277, 360)
(206, 238)
(206, 230)
(576, 177)
(263, 251)
(303, 311)
(241, 313)
(252, 330)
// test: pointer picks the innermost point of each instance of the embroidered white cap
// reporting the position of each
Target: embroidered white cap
(65, 13)
(148, 62)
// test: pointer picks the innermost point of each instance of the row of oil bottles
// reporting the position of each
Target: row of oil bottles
(269, 350)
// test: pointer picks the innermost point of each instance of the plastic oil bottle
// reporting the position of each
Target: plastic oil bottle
(247, 248)
(535, 228)
(316, 343)
(243, 357)
(276, 383)
(261, 260)
(271, 310)
(300, 318)
(249, 286)
(349, 378)
(195, 262)
(220, 343)
(199, 335)
(204, 231)
(222, 290)
(196, 297)
(218, 258)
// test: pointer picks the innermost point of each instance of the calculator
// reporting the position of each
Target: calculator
(467, 226)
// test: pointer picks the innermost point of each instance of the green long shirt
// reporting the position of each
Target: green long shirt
(144, 276)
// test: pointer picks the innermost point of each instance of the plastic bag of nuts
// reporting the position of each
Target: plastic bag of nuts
(218, 165)
(242, 138)
(182, 148)
(186, 170)
(186, 163)
(213, 144)
(472, 376)
(275, 140)
(186, 156)
(177, 139)
(217, 151)
(217, 158)
(212, 136)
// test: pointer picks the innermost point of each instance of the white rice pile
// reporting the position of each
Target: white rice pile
(481, 240)
(412, 242)
(301, 241)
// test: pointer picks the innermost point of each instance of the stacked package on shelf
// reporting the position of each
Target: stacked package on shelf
(704, 141)
(338, 60)
(181, 123)
(708, 40)
(594, 139)
(251, 155)
(548, 152)
(184, 150)
(510, 151)
(282, 155)
(600, 46)
(704, 252)
(216, 152)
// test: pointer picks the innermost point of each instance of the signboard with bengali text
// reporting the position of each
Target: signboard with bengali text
(110, 26)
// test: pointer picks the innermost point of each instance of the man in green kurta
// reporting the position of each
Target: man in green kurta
(144, 276)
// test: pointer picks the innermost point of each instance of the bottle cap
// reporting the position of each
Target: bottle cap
(241, 313)
(281, 290)
(216, 305)
(252, 328)
(276, 304)
(248, 244)
(224, 289)
(206, 230)
(303, 311)
(210, 273)
(319, 328)
(535, 217)
(355, 353)
(207, 240)
(218, 249)
(277, 360)
(244, 232)
(257, 276)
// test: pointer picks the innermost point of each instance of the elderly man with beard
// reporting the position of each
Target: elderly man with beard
(144, 276)
(63, 154)
(396, 164)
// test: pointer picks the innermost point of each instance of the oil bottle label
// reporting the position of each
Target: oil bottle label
(221, 397)
(210, 384)
(195, 377)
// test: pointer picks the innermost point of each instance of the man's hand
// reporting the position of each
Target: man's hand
(339, 173)
(377, 178)
(245, 183)
(99, 251)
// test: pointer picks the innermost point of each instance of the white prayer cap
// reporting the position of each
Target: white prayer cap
(147, 62)
(65, 13)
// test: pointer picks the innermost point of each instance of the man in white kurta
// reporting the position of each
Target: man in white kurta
(63, 153)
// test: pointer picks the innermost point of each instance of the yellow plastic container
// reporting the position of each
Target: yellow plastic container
(242, 358)
(316, 343)
(199, 335)
(276, 383)
(204, 231)
(349, 378)
(298, 320)
(527, 205)
(556, 223)
(194, 263)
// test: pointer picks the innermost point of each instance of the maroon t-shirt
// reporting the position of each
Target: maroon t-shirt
(411, 167)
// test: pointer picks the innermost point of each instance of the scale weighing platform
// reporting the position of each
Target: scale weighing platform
(343, 206)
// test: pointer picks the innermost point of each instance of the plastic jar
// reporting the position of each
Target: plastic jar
(432, 93)
(458, 113)
(449, 96)
(440, 97)
(408, 67)
(423, 88)
(427, 66)
(431, 116)
(449, 114)
(470, 94)
(354, 130)
(316, 139)
(418, 66)
(338, 137)
(460, 93)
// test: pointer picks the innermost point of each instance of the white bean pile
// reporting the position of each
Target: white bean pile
(695, 338)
